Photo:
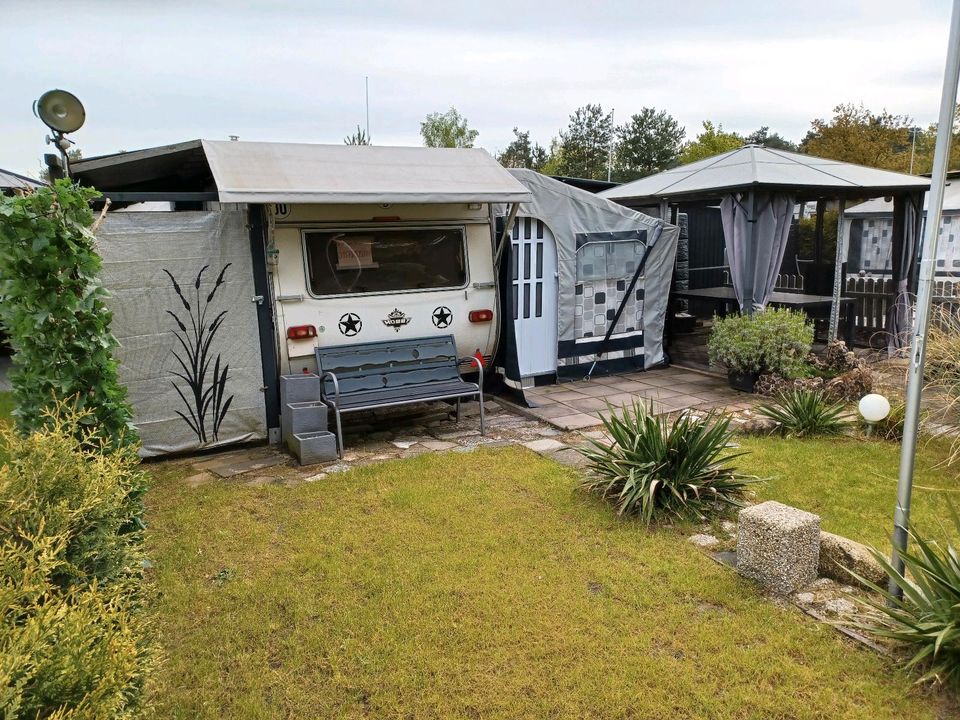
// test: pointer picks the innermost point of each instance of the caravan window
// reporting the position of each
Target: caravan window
(379, 260)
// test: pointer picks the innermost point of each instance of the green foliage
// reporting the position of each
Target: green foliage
(54, 311)
(764, 137)
(360, 137)
(523, 153)
(927, 618)
(447, 130)
(806, 234)
(650, 141)
(805, 413)
(712, 141)
(584, 146)
(891, 427)
(656, 467)
(771, 341)
(73, 634)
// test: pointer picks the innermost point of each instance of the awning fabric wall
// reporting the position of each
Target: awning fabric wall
(168, 274)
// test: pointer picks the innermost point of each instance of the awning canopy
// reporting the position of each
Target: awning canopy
(267, 172)
(755, 167)
(14, 181)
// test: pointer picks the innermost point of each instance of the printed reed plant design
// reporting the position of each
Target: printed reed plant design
(203, 401)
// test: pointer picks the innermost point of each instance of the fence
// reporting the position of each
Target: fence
(784, 283)
(874, 295)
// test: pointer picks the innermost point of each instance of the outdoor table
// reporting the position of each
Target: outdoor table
(726, 300)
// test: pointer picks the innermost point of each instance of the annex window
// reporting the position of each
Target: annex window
(380, 260)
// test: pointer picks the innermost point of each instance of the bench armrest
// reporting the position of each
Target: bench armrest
(336, 388)
(473, 360)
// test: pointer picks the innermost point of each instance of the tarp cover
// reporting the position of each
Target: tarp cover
(157, 321)
(269, 172)
(579, 220)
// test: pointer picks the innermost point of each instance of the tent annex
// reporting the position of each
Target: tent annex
(585, 281)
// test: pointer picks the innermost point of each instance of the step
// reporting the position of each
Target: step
(311, 448)
(302, 417)
(299, 388)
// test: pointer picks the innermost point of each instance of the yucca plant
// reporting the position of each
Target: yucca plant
(659, 467)
(927, 616)
(805, 413)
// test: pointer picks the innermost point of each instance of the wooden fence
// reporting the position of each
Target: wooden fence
(873, 296)
(785, 283)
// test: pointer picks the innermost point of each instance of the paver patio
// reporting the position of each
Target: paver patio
(582, 403)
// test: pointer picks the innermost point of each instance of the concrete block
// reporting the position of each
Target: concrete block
(302, 417)
(299, 388)
(315, 447)
(779, 546)
(837, 553)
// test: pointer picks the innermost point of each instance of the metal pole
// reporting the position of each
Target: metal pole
(941, 156)
(366, 88)
(838, 273)
(610, 146)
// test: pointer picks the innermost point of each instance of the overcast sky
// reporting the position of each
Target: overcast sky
(158, 72)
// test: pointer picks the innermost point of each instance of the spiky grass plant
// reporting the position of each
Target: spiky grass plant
(926, 619)
(657, 467)
(805, 413)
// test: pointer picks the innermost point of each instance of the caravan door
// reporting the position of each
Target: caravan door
(534, 270)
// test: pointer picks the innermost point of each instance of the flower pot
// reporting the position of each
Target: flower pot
(742, 381)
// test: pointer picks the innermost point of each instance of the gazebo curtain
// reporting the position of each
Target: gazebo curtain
(755, 229)
(907, 224)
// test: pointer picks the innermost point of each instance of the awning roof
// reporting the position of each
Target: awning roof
(755, 166)
(267, 172)
(9, 180)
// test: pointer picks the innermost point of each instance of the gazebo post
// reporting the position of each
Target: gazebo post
(838, 274)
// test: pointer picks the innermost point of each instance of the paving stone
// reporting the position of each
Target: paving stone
(234, 465)
(545, 445)
(198, 479)
(456, 435)
(437, 445)
(702, 540)
(403, 444)
(839, 554)
(570, 457)
(805, 598)
(839, 606)
(575, 421)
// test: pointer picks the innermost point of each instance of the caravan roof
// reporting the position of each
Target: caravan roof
(269, 172)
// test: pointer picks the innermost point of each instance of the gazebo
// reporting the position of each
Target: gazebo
(757, 189)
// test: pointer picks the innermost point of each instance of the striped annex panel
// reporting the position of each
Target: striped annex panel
(526, 268)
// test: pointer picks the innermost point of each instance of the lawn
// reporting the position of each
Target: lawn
(475, 585)
(852, 483)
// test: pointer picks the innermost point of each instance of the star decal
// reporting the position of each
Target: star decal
(350, 324)
(442, 317)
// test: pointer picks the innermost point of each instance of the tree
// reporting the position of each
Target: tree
(521, 153)
(764, 137)
(855, 134)
(448, 130)
(647, 143)
(358, 138)
(712, 141)
(584, 146)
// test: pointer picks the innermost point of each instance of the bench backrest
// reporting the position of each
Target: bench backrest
(390, 364)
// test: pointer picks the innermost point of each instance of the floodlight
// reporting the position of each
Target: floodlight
(60, 111)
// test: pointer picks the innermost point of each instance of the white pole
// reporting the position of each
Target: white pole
(610, 146)
(941, 156)
(366, 88)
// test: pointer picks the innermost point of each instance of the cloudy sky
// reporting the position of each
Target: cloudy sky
(151, 73)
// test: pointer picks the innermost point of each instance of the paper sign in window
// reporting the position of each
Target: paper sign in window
(355, 253)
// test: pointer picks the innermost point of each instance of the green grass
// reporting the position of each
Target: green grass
(852, 483)
(474, 585)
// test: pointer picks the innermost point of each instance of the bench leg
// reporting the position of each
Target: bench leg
(336, 416)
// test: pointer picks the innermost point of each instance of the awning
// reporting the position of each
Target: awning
(268, 172)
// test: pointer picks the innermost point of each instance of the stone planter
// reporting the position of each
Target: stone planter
(742, 381)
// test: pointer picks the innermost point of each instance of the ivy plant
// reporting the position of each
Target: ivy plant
(52, 307)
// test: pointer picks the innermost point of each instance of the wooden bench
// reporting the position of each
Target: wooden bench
(396, 372)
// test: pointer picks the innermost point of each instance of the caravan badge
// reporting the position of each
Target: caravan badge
(396, 319)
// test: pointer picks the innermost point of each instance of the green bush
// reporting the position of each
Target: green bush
(657, 467)
(74, 637)
(771, 341)
(805, 413)
(54, 313)
(926, 619)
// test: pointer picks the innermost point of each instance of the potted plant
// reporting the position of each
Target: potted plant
(769, 341)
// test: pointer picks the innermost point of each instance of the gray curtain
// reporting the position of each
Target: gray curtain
(907, 223)
(755, 230)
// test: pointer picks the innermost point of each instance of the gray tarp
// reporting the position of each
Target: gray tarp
(577, 218)
(907, 223)
(755, 229)
(138, 250)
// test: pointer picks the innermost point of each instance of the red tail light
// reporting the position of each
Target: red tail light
(481, 315)
(301, 332)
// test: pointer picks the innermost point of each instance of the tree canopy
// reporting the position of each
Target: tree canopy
(449, 129)
(650, 141)
(523, 153)
(764, 137)
(712, 141)
(584, 145)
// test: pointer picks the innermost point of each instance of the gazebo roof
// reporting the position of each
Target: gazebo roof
(757, 167)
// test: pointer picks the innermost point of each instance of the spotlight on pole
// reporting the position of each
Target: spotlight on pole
(63, 113)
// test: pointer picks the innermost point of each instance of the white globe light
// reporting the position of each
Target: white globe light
(874, 407)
